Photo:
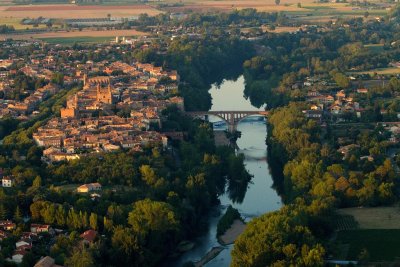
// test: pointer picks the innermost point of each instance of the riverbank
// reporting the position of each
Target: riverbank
(260, 196)
(209, 256)
(232, 233)
(220, 139)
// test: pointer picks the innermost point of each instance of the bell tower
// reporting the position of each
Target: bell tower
(85, 80)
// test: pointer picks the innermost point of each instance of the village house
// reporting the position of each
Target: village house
(88, 236)
(89, 187)
(18, 255)
(345, 150)
(27, 243)
(22, 247)
(314, 114)
(362, 90)
(7, 225)
(7, 181)
(41, 228)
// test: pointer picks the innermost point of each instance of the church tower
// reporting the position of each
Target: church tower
(104, 95)
(85, 80)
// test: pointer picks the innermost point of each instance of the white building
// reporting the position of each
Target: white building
(7, 181)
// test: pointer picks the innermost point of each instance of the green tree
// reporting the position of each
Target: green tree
(18, 215)
(37, 182)
(93, 221)
(57, 78)
(81, 257)
(28, 260)
(126, 241)
(60, 216)
(342, 80)
(280, 238)
(3, 212)
(149, 215)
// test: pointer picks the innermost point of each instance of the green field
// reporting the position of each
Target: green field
(16, 23)
(382, 245)
(380, 71)
(73, 40)
(345, 222)
(376, 48)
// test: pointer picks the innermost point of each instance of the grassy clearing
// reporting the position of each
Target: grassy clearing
(375, 48)
(381, 71)
(375, 218)
(67, 188)
(382, 245)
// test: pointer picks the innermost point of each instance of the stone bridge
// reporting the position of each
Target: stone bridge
(232, 118)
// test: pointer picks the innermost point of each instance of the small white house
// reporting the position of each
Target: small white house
(7, 181)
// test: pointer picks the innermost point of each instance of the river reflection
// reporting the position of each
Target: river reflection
(260, 197)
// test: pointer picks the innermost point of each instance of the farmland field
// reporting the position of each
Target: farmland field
(74, 11)
(382, 245)
(308, 10)
(345, 222)
(73, 40)
(375, 218)
(74, 34)
(307, 7)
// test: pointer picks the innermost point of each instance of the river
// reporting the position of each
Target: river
(260, 196)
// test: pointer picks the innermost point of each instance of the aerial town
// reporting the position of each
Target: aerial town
(199, 133)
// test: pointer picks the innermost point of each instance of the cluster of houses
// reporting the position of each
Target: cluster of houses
(92, 118)
(68, 138)
(142, 97)
(27, 241)
(336, 104)
(43, 64)
(144, 91)
(29, 104)
(394, 129)
(328, 104)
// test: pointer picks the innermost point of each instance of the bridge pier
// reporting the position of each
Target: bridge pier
(232, 127)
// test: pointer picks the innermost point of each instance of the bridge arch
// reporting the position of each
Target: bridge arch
(206, 114)
(232, 118)
(249, 116)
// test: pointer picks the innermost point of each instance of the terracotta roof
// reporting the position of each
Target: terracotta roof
(45, 262)
(89, 235)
